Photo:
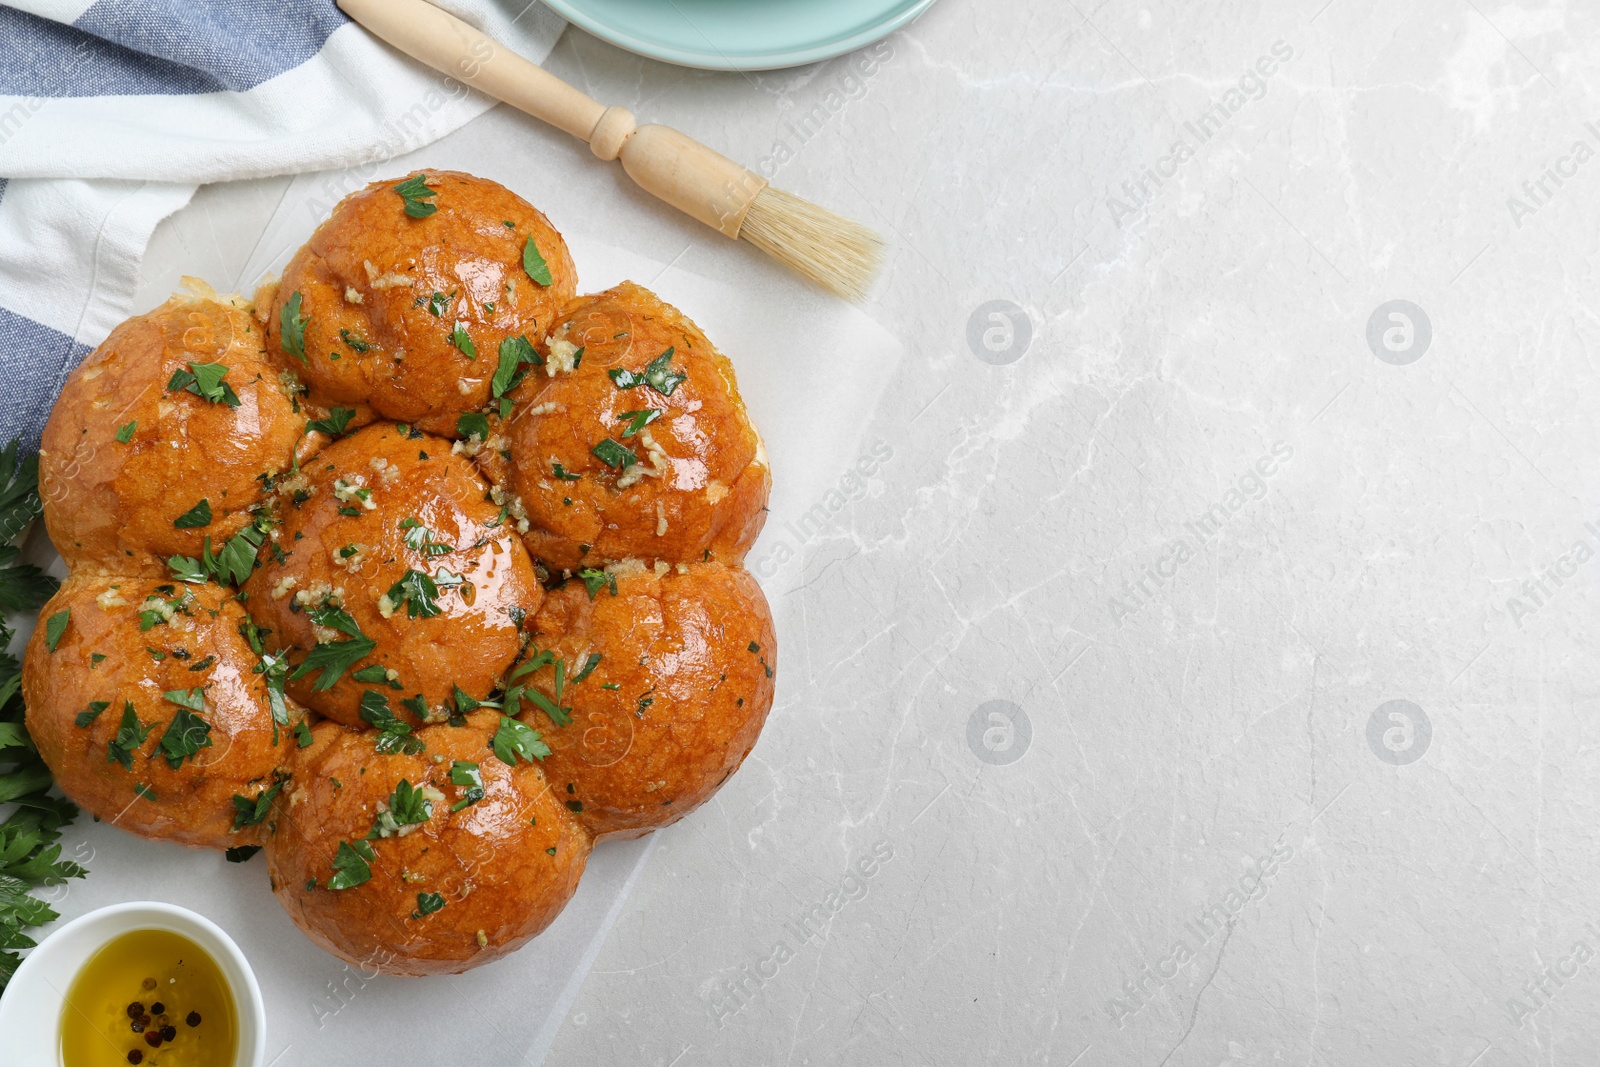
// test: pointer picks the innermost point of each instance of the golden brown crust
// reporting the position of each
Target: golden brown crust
(505, 865)
(110, 505)
(336, 540)
(200, 647)
(690, 699)
(699, 493)
(411, 370)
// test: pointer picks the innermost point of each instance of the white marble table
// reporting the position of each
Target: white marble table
(1202, 674)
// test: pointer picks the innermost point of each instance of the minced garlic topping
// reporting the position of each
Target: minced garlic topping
(563, 357)
(384, 281)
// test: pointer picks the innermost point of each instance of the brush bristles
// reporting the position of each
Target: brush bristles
(836, 253)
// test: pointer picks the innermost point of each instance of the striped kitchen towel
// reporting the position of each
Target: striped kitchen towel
(112, 112)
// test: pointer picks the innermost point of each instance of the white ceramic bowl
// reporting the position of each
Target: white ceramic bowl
(30, 1009)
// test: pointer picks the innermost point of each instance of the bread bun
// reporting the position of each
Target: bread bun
(501, 867)
(397, 532)
(696, 483)
(407, 314)
(673, 703)
(130, 450)
(201, 730)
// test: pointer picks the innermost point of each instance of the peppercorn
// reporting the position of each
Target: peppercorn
(193, 1018)
(135, 1056)
(168, 1033)
(157, 1008)
(135, 1010)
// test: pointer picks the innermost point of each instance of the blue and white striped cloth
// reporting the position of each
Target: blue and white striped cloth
(113, 112)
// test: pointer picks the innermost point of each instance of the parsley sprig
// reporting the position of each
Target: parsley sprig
(30, 852)
(415, 192)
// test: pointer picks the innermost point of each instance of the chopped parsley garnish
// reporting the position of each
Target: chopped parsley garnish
(393, 735)
(205, 381)
(514, 352)
(415, 192)
(131, 733)
(355, 343)
(195, 517)
(238, 557)
(753, 647)
(333, 659)
(351, 864)
(658, 375)
(55, 628)
(84, 718)
(335, 618)
(418, 592)
(466, 774)
(595, 580)
(418, 539)
(407, 807)
(588, 667)
(125, 431)
(559, 715)
(617, 457)
(463, 340)
(143, 792)
(465, 701)
(187, 569)
(639, 420)
(302, 734)
(247, 812)
(437, 303)
(513, 739)
(292, 329)
(334, 425)
(534, 263)
(473, 424)
(193, 699)
(187, 734)
(563, 474)
(427, 904)
(416, 705)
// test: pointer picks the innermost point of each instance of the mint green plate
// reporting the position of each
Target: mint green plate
(740, 34)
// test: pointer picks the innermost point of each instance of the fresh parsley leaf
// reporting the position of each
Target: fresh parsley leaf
(563, 474)
(336, 619)
(302, 734)
(333, 659)
(466, 774)
(125, 431)
(559, 715)
(660, 376)
(187, 569)
(292, 328)
(393, 735)
(352, 862)
(415, 192)
(617, 457)
(589, 664)
(418, 538)
(187, 734)
(205, 380)
(513, 739)
(427, 904)
(195, 517)
(193, 699)
(356, 344)
(437, 303)
(237, 559)
(55, 628)
(639, 420)
(407, 806)
(534, 263)
(84, 718)
(595, 580)
(247, 812)
(131, 734)
(418, 592)
(334, 425)
(473, 424)
(514, 352)
(463, 340)
(464, 701)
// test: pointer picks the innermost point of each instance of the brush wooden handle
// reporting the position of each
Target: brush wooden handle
(664, 162)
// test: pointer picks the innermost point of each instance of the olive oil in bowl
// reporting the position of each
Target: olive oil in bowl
(149, 997)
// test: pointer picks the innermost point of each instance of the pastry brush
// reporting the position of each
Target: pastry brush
(832, 251)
